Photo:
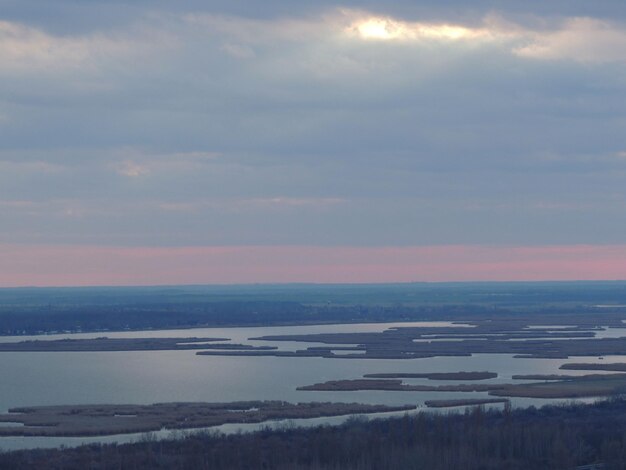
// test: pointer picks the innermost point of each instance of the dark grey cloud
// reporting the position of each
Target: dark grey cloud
(83, 15)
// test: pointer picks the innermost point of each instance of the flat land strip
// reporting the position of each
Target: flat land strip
(579, 387)
(435, 375)
(564, 436)
(463, 402)
(593, 385)
(411, 343)
(393, 385)
(617, 367)
(522, 337)
(90, 420)
(125, 344)
(556, 336)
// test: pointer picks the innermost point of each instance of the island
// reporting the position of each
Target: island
(464, 402)
(92, 420)
(521, 337)
(592, 385)
(436, 375)
(394, 386)
(617, 367)
(104, 344)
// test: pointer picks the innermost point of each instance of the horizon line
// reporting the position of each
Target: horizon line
(316, 284)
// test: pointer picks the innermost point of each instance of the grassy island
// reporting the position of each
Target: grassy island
(464, 402)
(436, 375)
(91, 420)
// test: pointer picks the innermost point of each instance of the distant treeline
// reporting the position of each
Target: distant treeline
(42, 319)
(555, 437)
(36, 310)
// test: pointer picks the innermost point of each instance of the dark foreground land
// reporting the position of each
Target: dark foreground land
(555, 437)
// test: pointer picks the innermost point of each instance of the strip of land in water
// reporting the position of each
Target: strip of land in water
(126, 344)
(519, 336)
(543, 377)
(563, 376)
(391, 344)
(553, 437)
(393, 385)
(617, 367)
(436, 375)
(593, 385)
(463, 402)
(92, 420)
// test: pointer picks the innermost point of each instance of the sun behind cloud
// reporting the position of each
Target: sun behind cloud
(380, 28)
(385, 29)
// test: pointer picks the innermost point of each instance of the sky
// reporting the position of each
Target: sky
(158, 142)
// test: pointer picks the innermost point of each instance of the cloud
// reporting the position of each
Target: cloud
(292, 202)
(25, 49)
(36, 166)
(238, 51)
(252, 204)
(135, 162)
(17, 204)
(581, 39)
(36, 208)
(399, 124)
(132, 169)
(366, 26)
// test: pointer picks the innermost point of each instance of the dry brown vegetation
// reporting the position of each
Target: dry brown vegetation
(594, 385)
(463, 402)
(487, 335)
(617, 367)
(89, 420)
(578, 387)
(435, 375)
(543, 377)
(574, 336)
(396, 386)
(114, 344)
(550, 438)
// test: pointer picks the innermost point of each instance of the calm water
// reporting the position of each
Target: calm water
(147, 377)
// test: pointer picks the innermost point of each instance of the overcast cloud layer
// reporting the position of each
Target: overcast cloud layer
(173, 124)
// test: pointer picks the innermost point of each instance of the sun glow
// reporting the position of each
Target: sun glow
(385, 29)
(449, 32)
(380, 28)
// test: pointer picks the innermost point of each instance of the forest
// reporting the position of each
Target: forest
(552, 437)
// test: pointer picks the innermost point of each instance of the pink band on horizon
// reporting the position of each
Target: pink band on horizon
(64, 265)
